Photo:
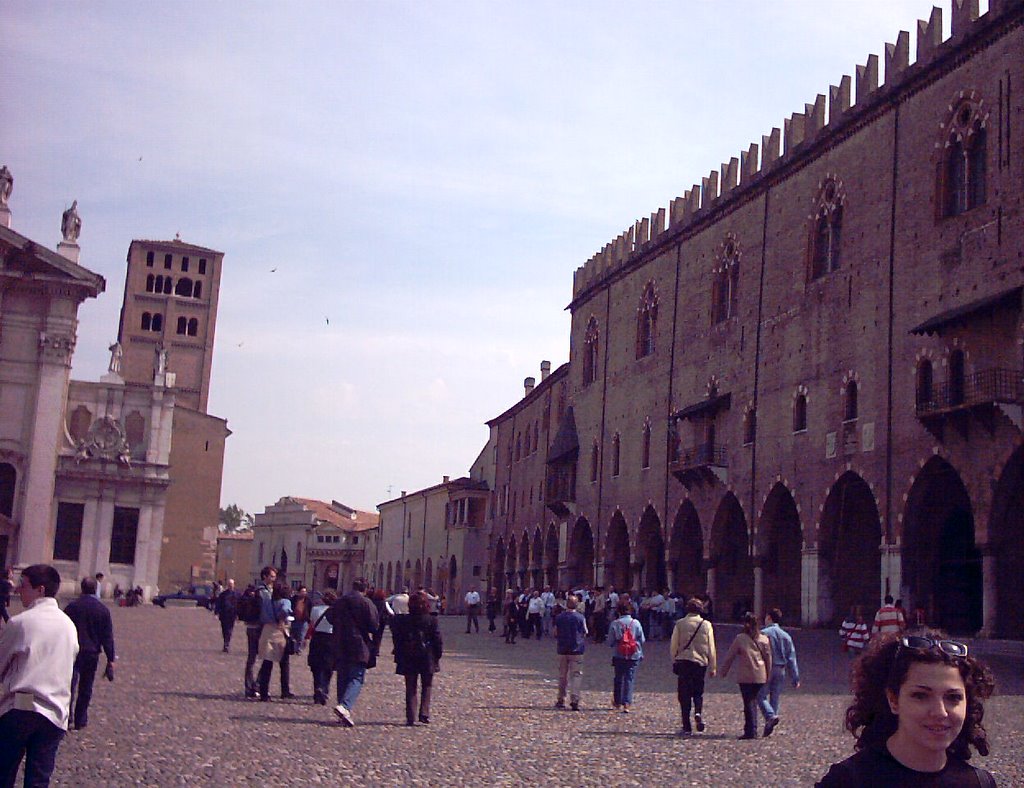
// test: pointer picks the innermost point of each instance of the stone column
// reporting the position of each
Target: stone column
(90, 535)
(711, 590)
(809, 587)
(142, 539)
(892, 570)
(156, 538)
(105, 526)
(758, 586)
(35, 538)
(989, 590)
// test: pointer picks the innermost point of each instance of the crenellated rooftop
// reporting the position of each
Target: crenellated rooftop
(827, 117)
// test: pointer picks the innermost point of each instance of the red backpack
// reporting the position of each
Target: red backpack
(627, 643)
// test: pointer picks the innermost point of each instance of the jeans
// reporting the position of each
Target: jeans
(768, 699)
(570, 674)
(749, 694)
(625, 678)
(321, 683)
(546, 621)
(227, 629)
(427, 680)
(252, 636)
(298, 634)
(28, 735)
(350, 683)
(690, 688)
(473, 618)
(82, 678)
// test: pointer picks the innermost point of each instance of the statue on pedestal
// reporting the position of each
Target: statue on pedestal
(6, 185)
(71, 224)
(161, 360)
(116, 354)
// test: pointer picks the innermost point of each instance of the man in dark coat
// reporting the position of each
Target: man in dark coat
(354, 621)
(95, 632)
(226, 608)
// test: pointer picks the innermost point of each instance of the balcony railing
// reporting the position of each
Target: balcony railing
(987, 387)
(702, 463)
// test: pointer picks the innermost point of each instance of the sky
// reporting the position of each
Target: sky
(402, 190)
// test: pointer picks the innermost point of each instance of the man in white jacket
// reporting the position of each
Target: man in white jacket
(37, 656)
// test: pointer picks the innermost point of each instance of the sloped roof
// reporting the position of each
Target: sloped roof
(566, 445)
(962, 314)
(29, 258)
(324, 512)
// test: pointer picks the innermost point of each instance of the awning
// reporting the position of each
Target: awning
(566, 445)
(1009, 299)
(707, 407)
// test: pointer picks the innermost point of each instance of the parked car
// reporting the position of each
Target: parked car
(201, 595)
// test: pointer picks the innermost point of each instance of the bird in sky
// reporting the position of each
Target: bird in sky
(272, 270)
(328, 320)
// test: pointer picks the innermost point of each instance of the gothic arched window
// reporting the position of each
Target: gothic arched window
(590, 341)
(827, 228)
(646, 321)
(725, 282)
(962, 176)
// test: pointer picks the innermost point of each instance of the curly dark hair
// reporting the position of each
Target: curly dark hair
(884, 666)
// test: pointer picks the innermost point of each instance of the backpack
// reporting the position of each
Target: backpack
(249, 606)
(416, 647)
(627, 643)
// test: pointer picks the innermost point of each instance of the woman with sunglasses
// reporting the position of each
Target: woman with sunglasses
(917, 710)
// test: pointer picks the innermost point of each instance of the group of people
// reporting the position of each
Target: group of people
(49, 659)
(343, 636)
(855, 632)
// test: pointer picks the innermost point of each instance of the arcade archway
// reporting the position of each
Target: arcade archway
(781, 541)
(850, 572)
(686, 552)
(730, 557)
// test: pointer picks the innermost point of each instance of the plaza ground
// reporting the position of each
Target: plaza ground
(176, 716)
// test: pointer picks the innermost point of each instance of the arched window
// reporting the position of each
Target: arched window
(850, 411)
(197, 290)
(645, 445)
(593, 462)
(800, 413)
(149, 283)
(827, 228)
(925, 384)
(526, 450)
(725, 281)
(147, 321)
(519, 446)
(956, 377)
(298, 549)
(536, 435)
(964, 159)
(646, 321)
(167, 285)
(182, 325)
(158, 322)
(159, 284)
(193, 326)
(616, 454)
(184, 287)
(590, 341)
(135, 429)
(81, 420)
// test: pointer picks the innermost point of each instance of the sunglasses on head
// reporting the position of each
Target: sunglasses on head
(953, 648)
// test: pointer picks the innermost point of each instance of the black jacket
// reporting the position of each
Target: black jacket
(95, 629)
(423, 628)
(354, 621)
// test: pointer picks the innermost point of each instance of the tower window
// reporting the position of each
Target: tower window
(149, 259)
(963, 166)
(193, 327)
(167, 262)
(182, 325)
(184, 265)
(197, 289)
(590, 342)
(202, 265)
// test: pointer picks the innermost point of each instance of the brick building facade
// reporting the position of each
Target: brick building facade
(801, 385)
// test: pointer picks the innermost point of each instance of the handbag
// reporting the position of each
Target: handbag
(677, 666)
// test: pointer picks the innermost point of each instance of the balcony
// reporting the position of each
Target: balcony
(701, 464)
(980, 395)
(560, 496)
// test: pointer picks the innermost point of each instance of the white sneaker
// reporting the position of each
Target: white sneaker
(344, 715)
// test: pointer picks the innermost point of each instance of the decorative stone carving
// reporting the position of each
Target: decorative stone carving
(56, 347)
(116, 354)
(106, 441)
(71, 224)
(161, 360)
(6, 185)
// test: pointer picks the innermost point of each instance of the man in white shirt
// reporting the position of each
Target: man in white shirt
(549, 605)
(473, 610)
(37, 656)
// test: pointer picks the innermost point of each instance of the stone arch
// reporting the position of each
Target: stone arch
(537, 564)
(686, 551)
(849, 571)
(510, 563)
(941, 566)
(523, 564)
(650, 548)
(780, 541)
(1007, 548)
(730, 560)
(581, 555)
(617, 563)
(551, 556)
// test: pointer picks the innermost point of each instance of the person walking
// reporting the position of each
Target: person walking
(256, 608)
(534, 615)
(226, 610)
(626, 636)
(493, 607)
(752, 654)
(511, 613)
(37, 658)
(354, 621)
(418, 650)
(473, 610)
(276, 645)
(571, 635)
(300, 612)
(320, 657)
(692, 649)
(783, 661)
(889, 619)
(95, 633)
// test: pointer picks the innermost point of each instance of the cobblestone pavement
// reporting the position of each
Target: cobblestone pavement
(176, 716)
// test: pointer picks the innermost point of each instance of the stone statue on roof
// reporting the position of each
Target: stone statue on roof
(6, 185)
(161, 360)
(116, 354)
(71, 224)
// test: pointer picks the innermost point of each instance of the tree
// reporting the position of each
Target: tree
(233, 518)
